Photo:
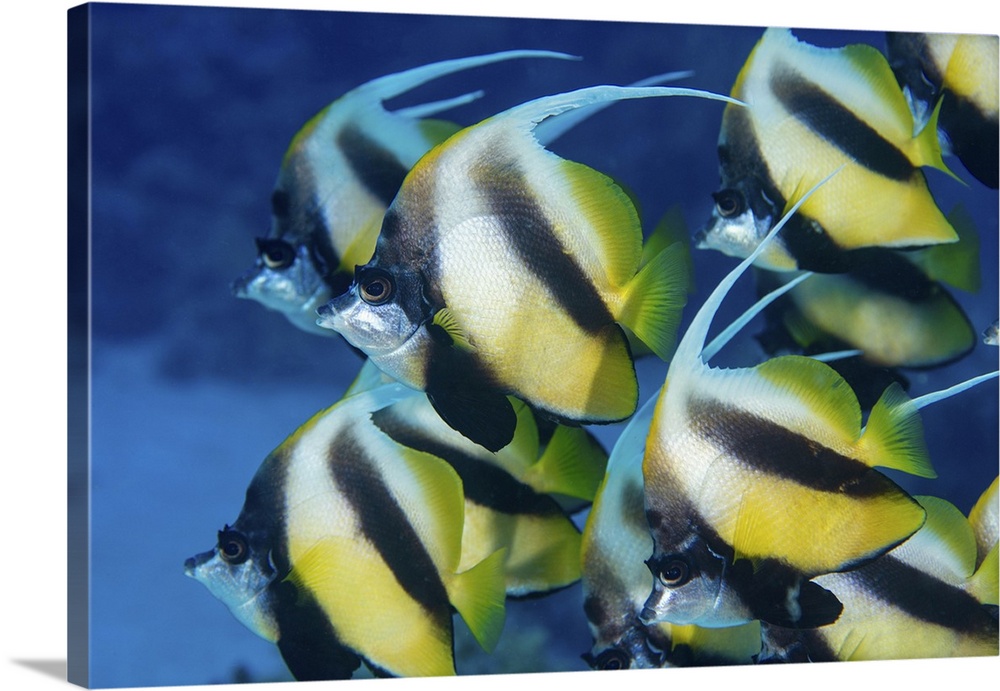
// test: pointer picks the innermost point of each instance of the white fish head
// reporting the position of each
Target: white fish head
(687, 586)
(288, 278)
(380, 311)
(740, 220)
(239, 575)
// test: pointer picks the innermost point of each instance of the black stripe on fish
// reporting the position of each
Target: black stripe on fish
(466, 395)
(307, 642)
(834, 123)
(378, 170)
(262, 519)
(384, 523)
(763, 445)
(595, 610)
(530, 234)
(485, 484)
(924, 597)
(299, 220)
(891, 273)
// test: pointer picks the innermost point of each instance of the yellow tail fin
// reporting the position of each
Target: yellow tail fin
(478, 594)
(894, 435)
(654, 299)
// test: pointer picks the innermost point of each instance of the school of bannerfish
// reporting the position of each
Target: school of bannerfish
(499, 295)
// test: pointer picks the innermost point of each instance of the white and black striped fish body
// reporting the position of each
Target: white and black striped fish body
(504, 269)
(927, 598)
(510, 496)
(336, 180)
(365, 538)
(758, 479)
(960, 71)
(810, 110)
(616, 582)
(246, 571)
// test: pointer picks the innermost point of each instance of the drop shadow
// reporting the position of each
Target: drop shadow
(50, 668)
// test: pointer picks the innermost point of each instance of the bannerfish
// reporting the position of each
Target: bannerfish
(336, 180)
(616, 582)
(885, 306)
(348, 548)
(813, 109)
(502, 269)
(926, 598)
(509, 502)
(757, 479)
(960, 70)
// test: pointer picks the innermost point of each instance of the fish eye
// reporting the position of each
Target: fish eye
(233, 546)
(612, 658)
(376, 287)
(673, 572)
(729, 203)
(276, 254)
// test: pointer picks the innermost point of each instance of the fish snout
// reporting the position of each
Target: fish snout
(191, 564)
(331, 314)
(240, 286)
(647, 616)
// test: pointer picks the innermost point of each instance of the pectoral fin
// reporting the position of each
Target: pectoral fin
(484, 416)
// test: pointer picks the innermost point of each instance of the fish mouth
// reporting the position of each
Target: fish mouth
(191, 564)
(331, 314)
(647, 616)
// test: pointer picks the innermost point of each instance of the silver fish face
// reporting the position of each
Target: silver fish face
(380, 312)
(285, 278)
(687, 587)
(741, 218)
(239, 577)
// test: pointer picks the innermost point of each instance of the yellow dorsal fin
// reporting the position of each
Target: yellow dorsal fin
(821, 389)
(655, 297)
(479, 594)
(446, 320)
(617, 233)
(894, 435)
(572, 464)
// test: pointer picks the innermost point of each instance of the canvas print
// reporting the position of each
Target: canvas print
(425, 345)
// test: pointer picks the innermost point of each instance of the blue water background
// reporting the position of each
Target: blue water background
(192, 111)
